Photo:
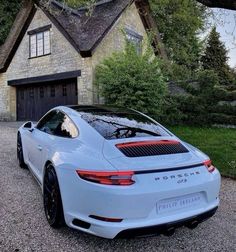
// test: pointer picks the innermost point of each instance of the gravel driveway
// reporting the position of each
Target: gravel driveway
(24, 228)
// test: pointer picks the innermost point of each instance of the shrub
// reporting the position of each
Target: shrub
(225, 109)
(223, 119)
(129, 79)
(172, 113)
(193, 109)
(185, 109)
(224, 95)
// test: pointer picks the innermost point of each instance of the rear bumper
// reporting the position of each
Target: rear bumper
(167, 228)
(138, 204)
(139, 227)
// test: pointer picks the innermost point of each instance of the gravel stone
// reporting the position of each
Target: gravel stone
(23, 226)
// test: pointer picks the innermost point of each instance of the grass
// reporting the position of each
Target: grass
(218, 143)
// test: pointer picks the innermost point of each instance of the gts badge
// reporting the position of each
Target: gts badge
(181, 177)
(182, 181)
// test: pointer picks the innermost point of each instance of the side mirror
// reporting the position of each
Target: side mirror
(29, 126)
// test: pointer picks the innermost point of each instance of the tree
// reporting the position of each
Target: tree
(8, 12)
(130, 79)
(11, 7)
(179, 22)
(77, 3)
(215, 58)
(225, 4)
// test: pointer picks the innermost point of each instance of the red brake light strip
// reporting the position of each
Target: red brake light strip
(145, 143)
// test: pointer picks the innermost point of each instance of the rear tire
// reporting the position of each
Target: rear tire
(52, 198)
(20, 155)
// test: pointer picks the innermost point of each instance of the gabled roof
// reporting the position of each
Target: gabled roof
(20, 26)
(83, 31)
(86, 31)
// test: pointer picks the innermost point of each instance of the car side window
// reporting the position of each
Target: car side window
(58, 124)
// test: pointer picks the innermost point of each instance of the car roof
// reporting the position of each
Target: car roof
(100, 109)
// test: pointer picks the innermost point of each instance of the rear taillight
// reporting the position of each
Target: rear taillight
(123, 178)
(210, 167)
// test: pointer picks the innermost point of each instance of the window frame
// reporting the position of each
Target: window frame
(36, 32)
(138, 39)
(58, 110)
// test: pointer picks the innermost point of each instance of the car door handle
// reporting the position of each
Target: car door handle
(39, 148)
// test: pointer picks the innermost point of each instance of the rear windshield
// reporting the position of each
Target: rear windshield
(120, 125)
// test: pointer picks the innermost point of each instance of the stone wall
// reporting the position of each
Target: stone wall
(115, 39)
(4, 94)
(64, 58)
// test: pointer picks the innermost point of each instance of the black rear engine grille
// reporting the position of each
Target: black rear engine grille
(151, 148)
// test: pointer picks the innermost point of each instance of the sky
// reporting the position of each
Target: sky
(225, 21)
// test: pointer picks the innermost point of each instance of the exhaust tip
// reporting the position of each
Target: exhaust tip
(192, 224)
(169, 232)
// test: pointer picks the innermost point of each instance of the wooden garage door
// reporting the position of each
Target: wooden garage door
(33, 101)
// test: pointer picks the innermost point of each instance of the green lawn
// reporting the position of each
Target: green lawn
(218, 143)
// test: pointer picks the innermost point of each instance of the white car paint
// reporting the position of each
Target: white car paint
(139, 205)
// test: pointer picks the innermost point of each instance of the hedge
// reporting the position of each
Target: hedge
(224, 95)
(222, 119)
(225, 109)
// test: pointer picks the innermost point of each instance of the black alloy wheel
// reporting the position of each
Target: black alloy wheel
(20, 155)
(52, 198)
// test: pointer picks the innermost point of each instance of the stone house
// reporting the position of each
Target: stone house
(50, 55)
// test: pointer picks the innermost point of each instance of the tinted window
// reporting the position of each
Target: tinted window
(57, 123)
(116, 125)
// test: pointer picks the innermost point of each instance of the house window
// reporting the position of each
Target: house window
(134, 38)
(39, 41)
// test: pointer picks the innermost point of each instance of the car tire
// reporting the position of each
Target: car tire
(52, 198)
(20, 155)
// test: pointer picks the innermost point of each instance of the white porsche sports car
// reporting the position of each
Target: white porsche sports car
(116, 172)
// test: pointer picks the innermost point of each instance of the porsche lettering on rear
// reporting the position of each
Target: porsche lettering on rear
(177, 176)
